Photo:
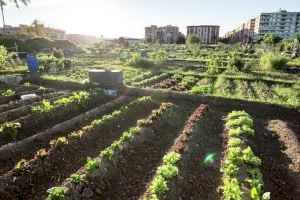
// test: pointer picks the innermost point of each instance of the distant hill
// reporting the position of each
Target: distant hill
(35, 45)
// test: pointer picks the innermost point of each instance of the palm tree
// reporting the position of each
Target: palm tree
(16, 2)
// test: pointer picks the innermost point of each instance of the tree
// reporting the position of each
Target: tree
(180, 40)
(16, 2)
(193, 39)
(271, 39)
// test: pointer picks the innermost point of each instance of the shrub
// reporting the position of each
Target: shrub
(3, 56)
(273, 61)
(235, 63)
(213, 66)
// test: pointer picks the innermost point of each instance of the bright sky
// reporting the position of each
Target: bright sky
(114, 18)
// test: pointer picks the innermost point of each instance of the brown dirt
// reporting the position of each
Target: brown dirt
(281, 175)
(18, 103)
(135, 166)
(12, 153)
(50, 171)
(197, 180)
(36, 122)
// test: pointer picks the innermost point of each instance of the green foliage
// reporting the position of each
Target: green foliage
(45, 106)
(213, 66)
(235, 63)
(201, 89)
(271, 39)
(8, 93)
(159, 56)
(249, 157)
(242, 120)
(159, 186)
(188, 81)
(77, 179)
(242, 131)
(149, 81)
(273, 61)
(236, 114)
(232, 189)
(57, 193)
(168, 171)
(171, 158)
(27, 84)
(3, 56)
(21, 166)
(91, 164)
(107, 153)
(10, 129)
(193, 39)
(137, 61)
(234, 142)
(59, 142)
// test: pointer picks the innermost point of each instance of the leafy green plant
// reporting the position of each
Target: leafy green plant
(77, 179)
(159, 186)
(232, 189)
(27, 84)
(273, 61)
(235, 63)
(57, 193)
(11, 129)
(244, 130)
(3, 56)
(21, 166)
(201, 89)
(168, 171)
(45, 106)
(107, 153)
(172, 158)
(242, 120)
(8, 93)
(189, 81)
(249, 157)
(91, 164)
(237, 114)
(61, 141)
(234, 155)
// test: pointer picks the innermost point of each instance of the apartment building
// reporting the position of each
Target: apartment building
(54, 34)
(208, 34)
(282, 23)
(244, 33)
(166, 35)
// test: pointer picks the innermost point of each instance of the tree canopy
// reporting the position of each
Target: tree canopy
(193, 39)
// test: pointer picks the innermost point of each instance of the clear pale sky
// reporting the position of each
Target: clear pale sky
(114, 18)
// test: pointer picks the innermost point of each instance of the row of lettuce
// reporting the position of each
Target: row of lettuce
(109, 153)
(242, 178)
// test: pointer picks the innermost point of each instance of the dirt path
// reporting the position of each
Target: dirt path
(136, 166)
(278, 148)
(290, 147)
(198, 180)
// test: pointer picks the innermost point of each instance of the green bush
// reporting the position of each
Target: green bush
(273, 61)
(3, 56)
(235, 63)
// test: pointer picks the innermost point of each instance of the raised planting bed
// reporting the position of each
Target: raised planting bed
(46, 115)
(11, 153)
(168, 170)
(19, 103)
(45, 169)
(124, 168)
(151, 81)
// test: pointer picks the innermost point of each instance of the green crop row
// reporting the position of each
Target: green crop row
(106, 154)
(151, 80)
(239, 160)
